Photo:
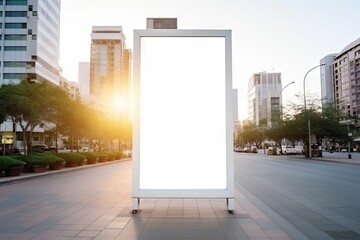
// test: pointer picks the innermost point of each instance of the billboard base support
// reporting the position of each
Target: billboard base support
(135, 202)
(230, 203)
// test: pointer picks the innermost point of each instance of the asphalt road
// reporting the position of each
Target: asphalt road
(321, 199)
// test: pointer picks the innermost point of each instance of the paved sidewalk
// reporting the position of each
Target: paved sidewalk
(94, 204)
(341, 157)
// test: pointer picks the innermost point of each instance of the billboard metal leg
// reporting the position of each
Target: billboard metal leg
(135, 205)
(230, 203)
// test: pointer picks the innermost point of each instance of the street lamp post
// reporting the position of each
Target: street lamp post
(348, 122)
(281, 112)
(307, 115)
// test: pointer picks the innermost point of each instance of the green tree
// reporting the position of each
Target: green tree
(29, 105)
(251, 134)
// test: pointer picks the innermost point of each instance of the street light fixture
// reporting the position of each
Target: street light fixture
(281, 97)
(308, 119)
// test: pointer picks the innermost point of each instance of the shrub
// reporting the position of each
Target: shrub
(90, 156)
(118, 155)
(42, 159)
(72, 157)
(6, 162)
(110, 156)
(102, 157)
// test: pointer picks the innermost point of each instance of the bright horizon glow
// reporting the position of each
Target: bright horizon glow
(118, 104)
(281, 36)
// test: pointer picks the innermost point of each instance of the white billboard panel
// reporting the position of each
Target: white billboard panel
(182, 141)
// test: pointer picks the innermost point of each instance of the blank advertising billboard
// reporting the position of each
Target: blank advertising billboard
(182, 139)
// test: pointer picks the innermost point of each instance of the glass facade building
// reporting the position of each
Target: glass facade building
(29, 40)
(110, 66)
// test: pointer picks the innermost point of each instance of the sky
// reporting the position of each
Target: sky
(286, 36)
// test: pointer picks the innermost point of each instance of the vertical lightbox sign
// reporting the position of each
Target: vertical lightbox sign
(182, 140)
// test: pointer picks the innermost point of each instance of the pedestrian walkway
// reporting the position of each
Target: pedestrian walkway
(341, 157)
(93, 203)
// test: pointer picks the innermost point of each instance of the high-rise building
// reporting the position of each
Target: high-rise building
(29, 40)
(110, 66)
(72, 88)
(264, 98)
(161, 23)
(327, 87)
(84, 80)
(342, 79)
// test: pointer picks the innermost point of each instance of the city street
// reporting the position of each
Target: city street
(321, 199)
(277, 197)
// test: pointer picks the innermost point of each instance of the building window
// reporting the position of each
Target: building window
(15, 48)
(16, 2)
(14, 76)
(30, 8)
(15, 64)
(16, 37)
(34, 37)
(15, 14)
(35, 13)
(15, 25)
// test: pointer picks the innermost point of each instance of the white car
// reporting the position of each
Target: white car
(288, 150)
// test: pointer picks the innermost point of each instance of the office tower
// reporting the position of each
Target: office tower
(161, 23)
(264, 98)
(72, 88)
(110, 65)
(29, 41)
(345, 78)
(84, 80)
(327, 87)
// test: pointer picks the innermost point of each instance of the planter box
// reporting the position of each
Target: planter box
(81, 163)
(71, 164)
(103, 159)
(56, 166)
(39, 168)
(91, 161)
(13, 171)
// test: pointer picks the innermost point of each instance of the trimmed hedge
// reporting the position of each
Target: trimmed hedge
(118, 155)
(90, 156)
(72, 157)
(39, 159)
(102, 157)
(111, 156)
(6, 162)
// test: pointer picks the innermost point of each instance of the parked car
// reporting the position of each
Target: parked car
(288, 150)
(254, 150)
(238, 149)
(246, 150)
(40, 147)
(250, 149)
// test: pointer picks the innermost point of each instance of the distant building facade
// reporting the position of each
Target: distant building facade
(264, 97)
(327, 86)
(340, 79)
(30, 41)
(72, 88)
(110, 69)
(84, 80)
(161, 23)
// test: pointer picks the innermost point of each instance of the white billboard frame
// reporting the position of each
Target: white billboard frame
(226, 192)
